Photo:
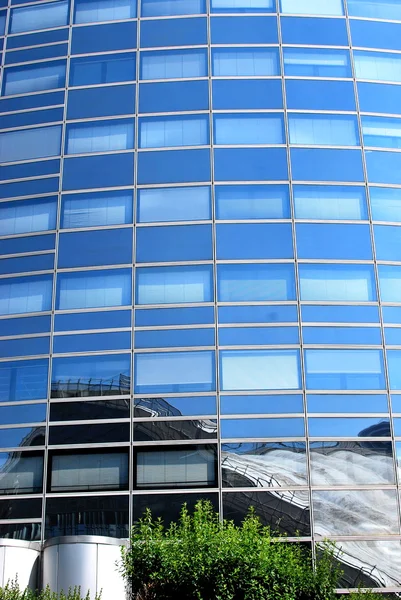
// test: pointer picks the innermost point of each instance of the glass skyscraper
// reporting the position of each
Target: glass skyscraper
(200, 282)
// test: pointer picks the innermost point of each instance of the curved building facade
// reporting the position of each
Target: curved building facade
(200, 282)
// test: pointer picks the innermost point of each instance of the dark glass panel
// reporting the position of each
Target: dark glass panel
(89, 434)
(103, 515)
(147, 431)
(89, 411)
(286, 512)
(30, 532)
(174, 407)
(23, 380)
(101, 102)
(21, 473)
(23, 437)
(21, 509)
(168, 506)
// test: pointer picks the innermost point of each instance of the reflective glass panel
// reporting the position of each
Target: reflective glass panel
(377, 66)
(259, 369)
(344, 369)
(262, 428)
(174, 372)
(173, 64)
(89, 472)
(323, 130)
(312, 7)
(242, 6)
(28, 144)
(347, 283)
(21, 473)
(248, 129)
(376, 9)
(96, 209)
(34, 78)
(93, 289)
(329, 202)
(93, 70)
(25, 294)
(255, 282)
(234, 62)
(381, 132)
(307, 62)
(385, 204)
(334, 241)
(174, 204)
(156, 8)
(91, 11)
(179, 468)
(23, 380)
(174, 285)
(28, 216)
(100, 136)
(39, 16)
(162, 132)
(237, 202)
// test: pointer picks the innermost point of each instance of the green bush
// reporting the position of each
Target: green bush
(12, 591)
(202, 558)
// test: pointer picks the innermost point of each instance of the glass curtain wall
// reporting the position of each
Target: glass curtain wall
(200, 274)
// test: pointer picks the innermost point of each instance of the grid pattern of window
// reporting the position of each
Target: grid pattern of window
(200, 274)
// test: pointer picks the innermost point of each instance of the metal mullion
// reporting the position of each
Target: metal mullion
(375, 262)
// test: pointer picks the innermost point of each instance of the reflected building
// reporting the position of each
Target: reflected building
(200, 269)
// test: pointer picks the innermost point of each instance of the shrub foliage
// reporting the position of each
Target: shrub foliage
(202, 558)
(12, 591)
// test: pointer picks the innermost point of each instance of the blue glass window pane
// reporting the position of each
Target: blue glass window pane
(31, 118)
(385, 204)
(258, 336)
(164, 132)
(34, 78)
(394, 368)
(229, 62)
(312, 7)
(174, 372)
(392, 314)
(250, 164)
(91, 11)
(379, 98)
(111, 319)
(174, 285)
(25, 294)
(101, 102)
(16, 437)
(244, 30)
(96, 209)
(307, 62)
(45, 16)
(344, 369)
(34, 243)
(98, 171)
(31, 101)
(173, 64)
(242, 6)
(91, 376)
(255, 283)
(381, 132)
(345, 403)
(173, 32)
(337, 283)
(37, 39)
(194, 315)
(248, 129)
(237, 202)
(262, 428)
(155, 8)
(25, 325)
(236, 405)
(104, 38)
(258, 314)
(29, 144)
(330, 202)
(174, 166)
(392, 336)
(388, 242)
(174, 243)
(34, 169)
(383, 167)
(360, 427)
(93, 342)
(377, 66)
(376, 9)
(25, 413)
(93, 70)
(320, 95)
(24, 347)
(27, 264)
(254, 241)
(334, 241)
(370, 34)
(40, 53)
(246, 93)
(28, 216)
(173, 204)
(100, 136)
(91, 248)
(94, 289)
(23, 380)
(173, 96)
(339, 336)
(314, 31)
(323, 130)
(340, 314)
(174, 338)
(390, 283)
(259, 370)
